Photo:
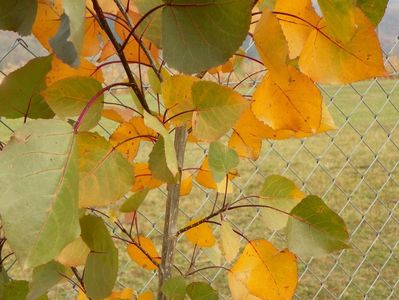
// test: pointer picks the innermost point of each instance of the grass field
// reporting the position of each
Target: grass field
(354, 169)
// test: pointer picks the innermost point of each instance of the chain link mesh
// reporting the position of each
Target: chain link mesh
(354, 169)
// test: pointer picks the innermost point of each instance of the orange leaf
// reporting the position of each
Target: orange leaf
(142, 258)
(200, 235)
(127, 137)
(272, 47)
(148, 295)
(144, 178)
(59, 71)
(94, 37)
(296, 30)
(326, 60)
(296, 107)
(117, 114)
(263, 271)
(125, 294)
(186, 184)
(47, 21)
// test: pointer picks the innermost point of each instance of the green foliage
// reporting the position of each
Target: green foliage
(201, 291)
(175, 288)
(221, 160)
(18, 16)
(133, 202)
(41, 154)
(374, 9)
(26, 99)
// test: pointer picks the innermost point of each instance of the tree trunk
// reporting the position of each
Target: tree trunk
(171, 214)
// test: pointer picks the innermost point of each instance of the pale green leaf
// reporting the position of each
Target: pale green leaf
(230, 241)
(75, 9)
(18, 16)
(44, 277)
(18, 290)
(39, 171)
(218, 108)
(175, 288)
(201, 291)
(221, 160)
(158, 164)
(68, 97)
(150, 28)
(101, 267)
(314, 229)
(98, 160)
(133, 203)
(283, 195)
(200, 34)
(20, 91)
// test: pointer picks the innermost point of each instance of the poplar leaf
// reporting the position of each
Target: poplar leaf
(97, 160)
(18, 16)
(221, 160)
(68, 97)
(296, 107)
(141, 258)
(200, 235)
(101, 268)
(158, 164)
(19, 100)
(373, 9)
(39, 170)
(230, 241)
(74, 254)
(197, 35)
(75, 9)
(175, 288)
(143, 178)
(272, 47)
(186, 183)
(314, 229)
(281, 194)
(218, 108)
(133, 202)
(201, 291)
(326, 60)
(264, 272)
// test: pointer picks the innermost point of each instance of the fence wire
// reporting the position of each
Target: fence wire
(354, 169)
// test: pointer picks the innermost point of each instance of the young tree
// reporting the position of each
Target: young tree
(58, 176)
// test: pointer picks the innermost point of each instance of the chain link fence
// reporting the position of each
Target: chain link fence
(354, 169)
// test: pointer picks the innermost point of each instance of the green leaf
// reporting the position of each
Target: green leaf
(282, 194)
(75, 9)
(133, 203)
(221, 160)
(170, 152)
(201, 291)
(68, 97)
(20, 91)
(43, 278)
(314, 229)
(39, 204)
(175, 288)
(101, 267)
(4, 279)
(150, 28)
(373, 9)
(18, 16)
(157, 163)
(200, 34)
(339, 15)
(61, 44)
(97, 160)
(18, 290)
(218, 108)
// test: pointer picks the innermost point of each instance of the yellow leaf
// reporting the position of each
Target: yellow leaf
(296, 30)
(82, 296)
(186, 184)
(117, 114)
(200, 235)
(326, 60)
(177, 97)
(148, 295)
(227, 67)
(272, 47)
(59, 71)
(296, 107)
(141, 258)
(230, 241)
(204, 176)
(74, 254)
(127, 137)
(93, 38)
(144, 178)
(125, 294)
(106, 5)
(47, 21)
(265, 272)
